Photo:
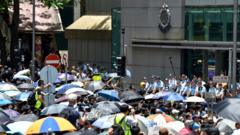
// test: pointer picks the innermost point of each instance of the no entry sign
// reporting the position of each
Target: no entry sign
(53, 60)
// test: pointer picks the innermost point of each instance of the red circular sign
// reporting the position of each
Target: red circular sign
(52, 60)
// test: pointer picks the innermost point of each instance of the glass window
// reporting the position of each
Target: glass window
(214, 23)
(198, 25)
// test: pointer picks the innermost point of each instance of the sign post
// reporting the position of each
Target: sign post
(52, 60)
(49, 75)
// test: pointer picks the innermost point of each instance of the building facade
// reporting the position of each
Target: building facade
(165, 37)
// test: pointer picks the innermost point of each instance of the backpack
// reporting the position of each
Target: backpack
(31, 99)
(117, 128)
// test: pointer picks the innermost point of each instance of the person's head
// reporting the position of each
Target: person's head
(40, 83)
(163, 131)
(125, 109)
(72, 99)
(237, 125)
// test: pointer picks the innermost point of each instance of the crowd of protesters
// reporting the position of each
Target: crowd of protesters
(197, 117)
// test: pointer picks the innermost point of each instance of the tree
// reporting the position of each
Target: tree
(5, 4)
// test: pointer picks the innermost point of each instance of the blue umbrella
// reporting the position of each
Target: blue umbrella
(111, 95)
(174, 97)
(23, 96)
(5, 102)
(161, 94)
(62, 89)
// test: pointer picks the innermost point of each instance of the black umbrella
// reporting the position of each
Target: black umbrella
(130, 97)
(85, 132)
(53, 109)
(227, 109)
(2, 130)
(4, 118)
(27, 117)
(25, 86)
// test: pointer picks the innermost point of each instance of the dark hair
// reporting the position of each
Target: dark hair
(40, 82)
(124, 108)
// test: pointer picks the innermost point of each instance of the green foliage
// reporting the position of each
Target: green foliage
(56, 3)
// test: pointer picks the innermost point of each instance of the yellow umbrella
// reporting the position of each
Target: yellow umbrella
(50, 124)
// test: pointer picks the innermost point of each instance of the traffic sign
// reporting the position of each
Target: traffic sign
(48, 74)
(53, 60)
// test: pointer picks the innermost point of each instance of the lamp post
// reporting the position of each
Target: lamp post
(33, 40)
(123, 42)
(235, 15)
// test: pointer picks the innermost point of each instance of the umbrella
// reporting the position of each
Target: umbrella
(104, 122)
(7, 87)
(27, 117)
(4, 118)
(23, 96)
(62, 77)
(175, 125)
(130, 96)
(25, 86)
(95, 85)
(2, 130)
(185, 131)
(50, 124)
(80, 90)
(158, 95)
(145, 124)
(195, 99)
(226, 109)
(107, 106)
(113, 75)
(80, 84)
(4, 96)
(23, 72)
(19, 127)
(174, 97)
(62, 89)
(5, 102)
(21, 77)
(111, 95)
(161, 119)
(53, 109)
(227, 126)
(12, 113)
(12, 93)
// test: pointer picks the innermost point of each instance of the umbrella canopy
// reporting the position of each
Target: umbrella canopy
(4, 96)
(95, 85)
(12, 113)
(23, 96)
(225, 109)
(161, 119)
(195, 99)
(53, 109)
(175, 125)
(2, 130)
(111, 95)
(80, 84)
(227, 126)
(185, 131)
(27, 117)
(174, 97)
(21, 77)
(4, 118)
(50, 124)
(63, 76)
(5, 102)
(62, 89)
(107, 106)
(158, 95)
(23, 72)
(7, 87)
(12, 93)
(80, 90)
(19, 127)
(130, 96)
(25, 86)
(145, 124)
(104, 122)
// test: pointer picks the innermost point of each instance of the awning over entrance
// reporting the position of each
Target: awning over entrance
(47, 19)
(92, 22)
(90, 26)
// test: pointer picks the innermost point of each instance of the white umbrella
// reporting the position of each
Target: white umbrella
(72, 90)
(195, 99)
(113, 75)
(19, 127)
(7, 87)
(23, 72)
(175, 125)
(12, 93)
(21, 77)
(80, 84)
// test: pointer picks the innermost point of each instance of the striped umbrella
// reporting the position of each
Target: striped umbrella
(49, 125)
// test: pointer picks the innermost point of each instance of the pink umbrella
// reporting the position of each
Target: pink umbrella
(185, 131)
